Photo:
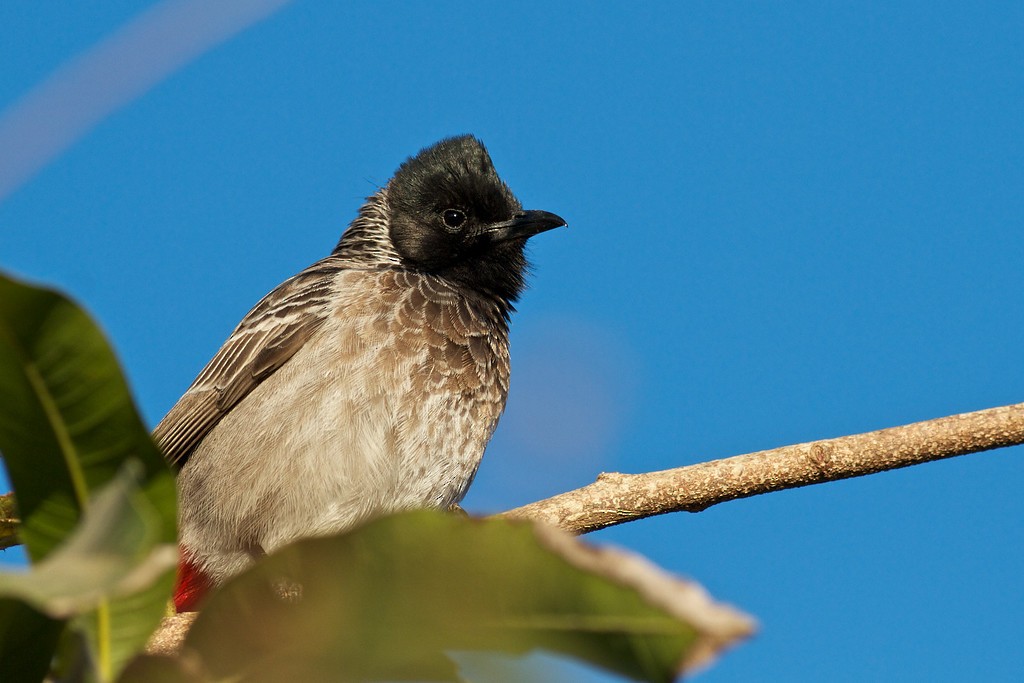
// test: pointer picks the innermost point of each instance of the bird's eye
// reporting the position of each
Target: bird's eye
(453, 218)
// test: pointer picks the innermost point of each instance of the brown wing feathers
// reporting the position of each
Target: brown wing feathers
(269, 335)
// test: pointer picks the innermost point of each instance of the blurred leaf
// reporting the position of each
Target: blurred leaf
(73, 661)
(384, 602)
(494, 667)
(27, 641)
(68, 421)
(67, 425)
(115, 551)
(160, 669)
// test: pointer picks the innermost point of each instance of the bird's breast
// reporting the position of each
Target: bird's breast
(418, 378)
(433, 362)
(388, 406)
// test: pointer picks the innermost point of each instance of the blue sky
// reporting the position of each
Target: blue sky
(788, 221)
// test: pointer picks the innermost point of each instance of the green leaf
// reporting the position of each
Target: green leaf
(68, 421)
(67, 425)
(28, 639)
(161, 669)
(387, 601)
(115, 551)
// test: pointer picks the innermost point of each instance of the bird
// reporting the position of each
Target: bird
(368, 383)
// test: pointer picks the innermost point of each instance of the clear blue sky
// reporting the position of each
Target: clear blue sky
(789, 221)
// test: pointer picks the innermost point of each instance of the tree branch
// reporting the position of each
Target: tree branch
(617, 498)
(8, 522)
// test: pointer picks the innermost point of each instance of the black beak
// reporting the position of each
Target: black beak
(524, 224)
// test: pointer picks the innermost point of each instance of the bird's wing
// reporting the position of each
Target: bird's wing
(271, 333)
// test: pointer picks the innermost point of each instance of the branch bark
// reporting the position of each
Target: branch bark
(617, 498)
(8, 522)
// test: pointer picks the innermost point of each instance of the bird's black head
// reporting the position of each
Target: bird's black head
(451, 215)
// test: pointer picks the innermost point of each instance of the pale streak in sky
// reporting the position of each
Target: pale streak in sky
(86, 89)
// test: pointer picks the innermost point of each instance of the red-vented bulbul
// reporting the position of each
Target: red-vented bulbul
(368, 383)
